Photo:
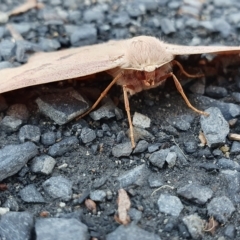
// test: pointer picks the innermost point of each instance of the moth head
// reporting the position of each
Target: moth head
(146, 54)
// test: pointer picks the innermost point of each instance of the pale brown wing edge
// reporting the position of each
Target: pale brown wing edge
(188, 50)
(66, 64)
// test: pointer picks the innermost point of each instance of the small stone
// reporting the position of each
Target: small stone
(190, 146)
(221, 208)
(211, 125)
(43, 164)
(155, 181)
(133, 232)
(122, 149)
(10, 124)
(235, 148)
(158, 158)
(65, 145)
(170, 205)
(62, 107)
(87, 135)
(29, 133)
(195, 193)
(48, 138)
(16, 225)
(167, 26)
(12, 204)
(216, 92)
(135, 9)
(98, 195)
(58, 187)
(134, 176)
(171, 159)
(122, 19)
(142, 145)
(30, 194)
(194, 225)
(135, 215)
(3, 210)
(11, 161)
(140, 120)
(49, 45)
(5, 64)
(230, 231)
(61, 229)
(7, 49)
(94, 14)
(224, 163)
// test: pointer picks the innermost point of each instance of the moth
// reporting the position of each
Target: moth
(136, 64)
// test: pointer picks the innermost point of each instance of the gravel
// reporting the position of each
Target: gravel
(50, 163)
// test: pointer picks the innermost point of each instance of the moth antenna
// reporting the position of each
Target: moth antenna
(102, 95)
(175, 62)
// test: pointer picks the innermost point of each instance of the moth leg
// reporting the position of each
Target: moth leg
(174, 62)
(127, 108)
(180, 89)
(103, 94)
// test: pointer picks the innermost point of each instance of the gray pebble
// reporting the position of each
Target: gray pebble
(30, 194)
(58, 188)
(122, 19)
(222, 26)
(23, 27)
(141, 121)
(11, 161)
(7, 49)
(153, 147)
(221, 208)
(98, 195)
(60, 229)
(83, 35)
(133, 232)
(16, 225)
(171, 159)
(235, 148)
(65, 145)
(63, 106)
(133, 176)
(224, 163)
(216, 92)
(236, 96)
(49, 45)
(170, 205)
(230, 231)
(94, 14)
(4, 17)
(135, 9)
(215, 127)
(12, 204)
(122, 149)
(155, 181)
(190, 146)
(142, 146)
(29, 133)
(10, 124)
(195, 193)
(135, 215)
(87, 135)
(167, 26)
(43, 164)
(5, 64)
(158, 158)
(194, 225)
(48, 138)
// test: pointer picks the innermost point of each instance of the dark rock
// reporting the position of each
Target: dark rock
(49, 45)
(58, 187)
(132, 232)
(11, 161)
(48, 138)
(154, 181)
(230, 231)
(61, 229)
(196, 193)
(170, 205)
(7, 50)
(87, 135)
(43, 164)
(142, 145)
(122, 149)
(216, 92)
(158, 158)
(98, 195)
(235, 148)
(211, 125)
(65, 145)
(167, 26)
(30, 194)
(224, 163)
(135, 9)
(221, 208)
(16, 225)
(29, 133)
(10, 124)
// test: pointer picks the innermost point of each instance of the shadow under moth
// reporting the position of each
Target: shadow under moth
(136, 64)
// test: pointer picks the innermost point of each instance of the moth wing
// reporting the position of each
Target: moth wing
(188, 50)
(61, 65)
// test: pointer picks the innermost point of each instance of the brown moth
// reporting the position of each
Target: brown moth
(136, 64)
